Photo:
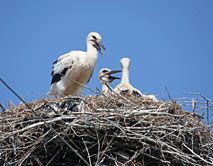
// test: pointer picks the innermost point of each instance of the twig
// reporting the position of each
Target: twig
(26, 155)
(170, 98)
(116, 133)
(49, 162)
(90, 163)
(46, 123)
(197, 155)
(118, 94)
(98, 155)
(3, 109)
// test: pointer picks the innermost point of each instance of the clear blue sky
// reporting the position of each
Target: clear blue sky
(170, 43)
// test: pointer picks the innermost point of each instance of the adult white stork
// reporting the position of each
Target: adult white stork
(125, 87)
(106, 78)
(75, 67)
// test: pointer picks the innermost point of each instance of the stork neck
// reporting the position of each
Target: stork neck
(91, 49)
(125, 75)
(105, 88)
(91, 56)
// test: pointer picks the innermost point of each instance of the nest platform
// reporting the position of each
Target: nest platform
(103, 131)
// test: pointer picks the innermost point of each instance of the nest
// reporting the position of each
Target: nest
(103, 131)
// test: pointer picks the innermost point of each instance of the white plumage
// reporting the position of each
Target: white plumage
(106, 78)
(75, 67)
(125, 87)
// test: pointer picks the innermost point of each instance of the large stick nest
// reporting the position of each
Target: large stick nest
(103, 131)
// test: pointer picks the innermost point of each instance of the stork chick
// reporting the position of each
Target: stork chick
(73, 70)
(125, 87)
(106, 78)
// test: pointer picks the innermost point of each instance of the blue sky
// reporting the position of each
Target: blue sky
(170, 43)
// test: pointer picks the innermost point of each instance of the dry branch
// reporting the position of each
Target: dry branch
(104, 130)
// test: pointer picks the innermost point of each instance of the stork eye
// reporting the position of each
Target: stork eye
(94, 37)
(104, 71)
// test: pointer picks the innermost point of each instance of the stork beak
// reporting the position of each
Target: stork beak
(99, 43)
(114, 71)
(112, 77)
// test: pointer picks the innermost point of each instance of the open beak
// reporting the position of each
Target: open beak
(111, 78)
(114, 71)
(98, 45)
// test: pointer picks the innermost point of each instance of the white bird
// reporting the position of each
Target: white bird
(106, 78)
(125, 87)
(75, 67)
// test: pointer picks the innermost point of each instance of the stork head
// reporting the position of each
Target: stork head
(95, 39)
(105, 75)
(125, 62)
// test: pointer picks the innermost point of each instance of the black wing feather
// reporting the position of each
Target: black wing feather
(55, 62)
(136, 93)
(126, 91)
(57, 77)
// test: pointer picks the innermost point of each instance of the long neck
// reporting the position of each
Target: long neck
(104, 88)
(92, 55)
(125, 74)
(91, 49)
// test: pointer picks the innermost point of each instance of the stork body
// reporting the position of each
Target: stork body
(73, 70)
(106, 78)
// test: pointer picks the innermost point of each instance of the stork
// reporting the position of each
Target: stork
(125, 87)
(73, 70)
(106, 78)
